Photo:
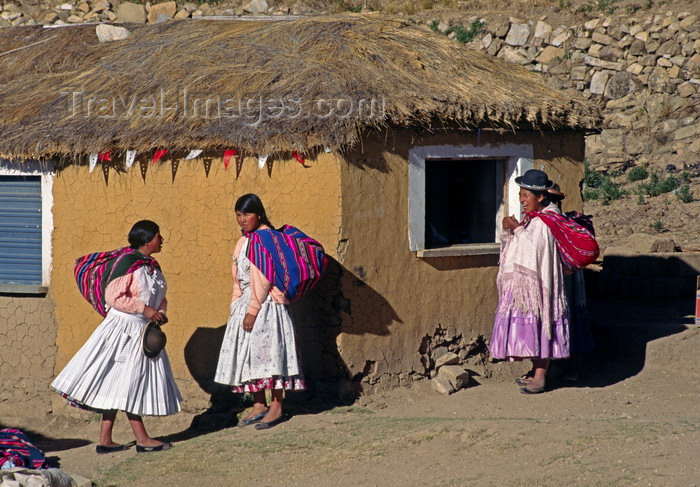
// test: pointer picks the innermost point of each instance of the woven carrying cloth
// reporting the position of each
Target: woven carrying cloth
(288, 258)
(94, 271)
(574, 236)
(16, 447)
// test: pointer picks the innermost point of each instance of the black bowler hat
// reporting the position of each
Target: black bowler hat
(534, 180)
(153, 339)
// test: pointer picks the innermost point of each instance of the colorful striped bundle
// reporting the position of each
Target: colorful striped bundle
(94, 271)
(574, 236)
(288, 258)
(16, 448)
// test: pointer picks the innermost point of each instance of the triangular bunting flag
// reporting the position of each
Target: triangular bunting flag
(269, 167)
(239, 163)
(159, 153)
(174, 165)
(227, 157)
(299, 158)
(105, 172)
(105, 156)
(93, 162)
(193, 154)
(144, 167)
(261, 161)
(130, 156)
(207, 165)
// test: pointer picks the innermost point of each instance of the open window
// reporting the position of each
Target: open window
(25, 226)
(459, 195)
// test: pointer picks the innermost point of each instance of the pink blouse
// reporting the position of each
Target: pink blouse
(122, 294)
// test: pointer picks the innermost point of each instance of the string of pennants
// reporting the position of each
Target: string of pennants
(106, 161)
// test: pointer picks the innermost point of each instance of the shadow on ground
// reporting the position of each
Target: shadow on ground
(622, 329)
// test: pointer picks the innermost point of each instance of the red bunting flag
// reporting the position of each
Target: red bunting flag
(104, 156)
(227, 157)
(159, 153)
(299, 158)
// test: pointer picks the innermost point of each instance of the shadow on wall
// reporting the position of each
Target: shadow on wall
(318, 317)
(634, 300)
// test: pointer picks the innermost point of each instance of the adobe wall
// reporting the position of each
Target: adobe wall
(196, 216)
(400, 312)
(27, 352)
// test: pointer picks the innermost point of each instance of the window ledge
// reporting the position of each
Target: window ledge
(460, 250)
(23, 289)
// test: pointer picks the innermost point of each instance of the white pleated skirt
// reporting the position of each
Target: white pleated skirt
(111, 372)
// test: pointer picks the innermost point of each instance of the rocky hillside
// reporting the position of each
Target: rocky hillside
(639, 60)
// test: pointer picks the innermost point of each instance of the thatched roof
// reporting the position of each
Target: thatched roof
(64, 92)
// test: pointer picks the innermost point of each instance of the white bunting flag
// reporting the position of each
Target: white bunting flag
(261, 161)
(130, 157)
(93, 162)
(193, 154)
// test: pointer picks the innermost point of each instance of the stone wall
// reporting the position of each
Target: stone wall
(644, 73)
(649, 276)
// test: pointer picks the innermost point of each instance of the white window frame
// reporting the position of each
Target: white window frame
(45, 169)
(518, 159)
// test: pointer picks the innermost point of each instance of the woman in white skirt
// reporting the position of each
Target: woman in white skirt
(111, 372)
(258, 351)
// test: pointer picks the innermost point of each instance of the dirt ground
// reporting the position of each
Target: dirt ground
(630, 419)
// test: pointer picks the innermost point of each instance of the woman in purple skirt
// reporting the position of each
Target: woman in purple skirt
(532, 318)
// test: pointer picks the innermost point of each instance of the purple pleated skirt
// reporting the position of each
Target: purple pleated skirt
(518, 335)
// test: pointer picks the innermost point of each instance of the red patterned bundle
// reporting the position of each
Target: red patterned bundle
(574, 236)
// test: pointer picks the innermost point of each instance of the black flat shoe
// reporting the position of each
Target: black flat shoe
(267, 425)
(525, 390)
(102, 449)
(147, 449)
(253, 420)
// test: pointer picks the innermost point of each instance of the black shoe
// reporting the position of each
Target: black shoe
(253, 420)
(267, 425)
(525, 390)
(101, 449)
(147, 449)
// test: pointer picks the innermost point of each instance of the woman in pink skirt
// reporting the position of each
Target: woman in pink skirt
(532, 319)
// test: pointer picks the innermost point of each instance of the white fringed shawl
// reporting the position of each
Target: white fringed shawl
(530, 270)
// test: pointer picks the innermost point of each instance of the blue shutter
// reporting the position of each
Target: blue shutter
(20, 230)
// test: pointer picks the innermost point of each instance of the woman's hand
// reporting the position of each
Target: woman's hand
(510, 223)
(248, 322)
(154, 315)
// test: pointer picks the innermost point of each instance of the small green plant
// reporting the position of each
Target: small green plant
(591, 179)
(656, 186)
(462, 34)
(356, 9)
(611, 190)
(607, 6)
(684, 194)
(657, 226)
(638, 173)
(640, 200)
(467, 34)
